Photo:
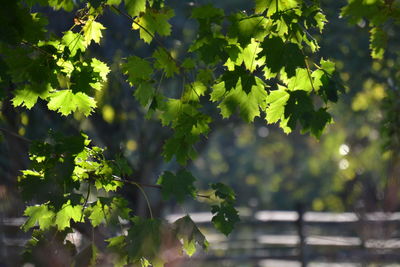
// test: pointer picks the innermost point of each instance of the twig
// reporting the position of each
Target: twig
(86, 201)
(37, 48)
(148, 32)
(116, 178)
(15, 135)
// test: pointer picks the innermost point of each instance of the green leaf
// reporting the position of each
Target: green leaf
(152, 22)
(144, 240)
(67, 5)
(74, 42)
(211, 49)
(301, 81)
(188, 231)
(325, 83)
(223, 191)
(194, 91)
(377, 42)
(101, 68)
(237, 98)
(28, 96)
(145, 93)
(208, 13)
(172, 108)
(273, 6)
(137, 69)
(114, 2)
(38, 214)
(356, 10)
(250, 58)
(66, 102)
(165, 62)
(97, 214)
(225, 217)
(83, 78)
(320, 119)
(327, 66)
(282, 55)
(244, 28)
(178, 186)
(92, 31)
(116, 242)
(276, 104)
(67, 213)
(135, 7)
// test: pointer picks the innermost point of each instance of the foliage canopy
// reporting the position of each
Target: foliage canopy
(261, 63)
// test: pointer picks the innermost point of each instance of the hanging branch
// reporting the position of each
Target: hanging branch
(6, 131)
(119, 179)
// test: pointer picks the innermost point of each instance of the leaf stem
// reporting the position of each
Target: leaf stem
(145, 197)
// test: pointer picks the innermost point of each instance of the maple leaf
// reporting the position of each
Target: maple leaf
(208, 13)
(302, 80)
(28, 96)
(144, 93)
(244, 28)
(276, 104)
(67, 5)
(211, 49)
(97, 214)
(135, 7)
(181, 147)
(324, 81)
(38, 214)
(66, 213)
(187, 230)
(194, 91)
(225, 217)
(74, 42)
(66, 102)
(179, 186)
(223, 191)
(92, 31)
(248, 103)
(102, 69)
(281, 55)
(273, 6)
(165, 62)
(377, 43)
(137, 69)
(152, 22)
(144, 240)
(82, 78)
(319, 121)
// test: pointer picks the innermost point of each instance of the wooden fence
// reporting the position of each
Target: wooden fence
(278, 238)
(294, 238)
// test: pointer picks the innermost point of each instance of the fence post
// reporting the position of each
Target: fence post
(300, 230)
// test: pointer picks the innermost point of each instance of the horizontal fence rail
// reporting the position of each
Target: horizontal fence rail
(277, 238)
(303, 239)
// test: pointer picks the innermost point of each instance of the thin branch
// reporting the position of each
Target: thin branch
(15, 135)
(140, 186)
(148, 32)
(116, 178)
(86, 201)
(308, 71)
(37, 48)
